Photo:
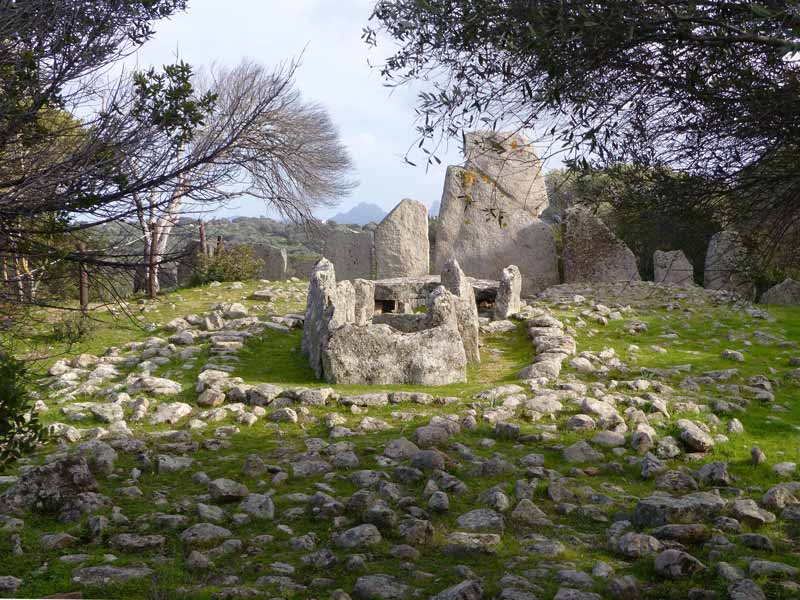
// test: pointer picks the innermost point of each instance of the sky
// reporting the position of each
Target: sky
(375, 123)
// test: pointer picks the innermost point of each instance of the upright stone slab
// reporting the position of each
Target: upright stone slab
(787, 293)
(592, 253)
(380, 355)
(508, 302)
(725, 267)
(510, 162)
(443, 308)
(455, 281)
(301, 266)
(329, 306)
(402, 248)
(364, 301)
(673, 268)
(351, 252)
(509, 183)
(276, 261)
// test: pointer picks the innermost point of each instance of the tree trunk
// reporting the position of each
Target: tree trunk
(152, 272)
(203, 241)
(83, 282)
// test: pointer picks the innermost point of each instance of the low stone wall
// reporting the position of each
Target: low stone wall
(345, 344)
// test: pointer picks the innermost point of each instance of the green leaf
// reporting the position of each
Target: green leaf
(760, 10)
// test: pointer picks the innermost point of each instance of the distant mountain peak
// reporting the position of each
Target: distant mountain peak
(361, 214)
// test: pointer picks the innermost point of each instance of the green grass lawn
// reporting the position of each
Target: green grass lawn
(274, 357)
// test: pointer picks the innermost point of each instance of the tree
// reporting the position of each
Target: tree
(130, 144)
(61, 176)
(259, 139)
(707, 89)
(134, 146)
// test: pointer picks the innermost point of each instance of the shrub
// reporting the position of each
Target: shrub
(234, 264)
(20, 430)
(73, 328)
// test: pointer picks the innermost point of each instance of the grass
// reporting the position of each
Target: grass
(275, 358)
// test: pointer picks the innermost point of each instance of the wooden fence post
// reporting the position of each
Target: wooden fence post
(84, 281)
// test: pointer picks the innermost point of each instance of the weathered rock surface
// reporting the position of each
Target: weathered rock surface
(107, 575)
(377, 354)
(351, 252)
(592, 253)
(364, 307)
(50, 487)
(726, 267)
(507, 182)
(466, 311)
(330, 305)
(276, 261)
(672, 268)
(508, 303)
(402, 248)
(787, 293)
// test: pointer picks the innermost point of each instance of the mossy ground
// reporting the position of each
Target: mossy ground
(275, 358)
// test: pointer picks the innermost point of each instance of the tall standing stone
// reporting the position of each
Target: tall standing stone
(276, 261)
(592, 253)
(672, 268)
(329, 307)
(320, 288)
(726, 267)
(402, 248)
(501, 178)
(455, 281)
(508, 301)
(351, 252)
(787, 293)
(364, 301)
(510, 162)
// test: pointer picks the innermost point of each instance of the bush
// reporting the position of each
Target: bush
(20, 430)
(73, 328)
(234, 264)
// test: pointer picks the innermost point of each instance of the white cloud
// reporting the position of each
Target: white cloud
(376, 124)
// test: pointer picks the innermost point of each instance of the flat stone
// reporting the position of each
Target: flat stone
(481, 519)
(361, 536)
(745, 509)
(227, 490)
(401, 242)
(259, 506)
(167, 463)
(692, 508)
(581, 452)
(466, 590)
(107, 575)
(675, 564)
(131, 542)
(694, 437)
(466, 544)
(766, 568)
(203, 534)
(638, 545)
(381, 587)
(745, 589)
(592, 253)
(170, 413)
